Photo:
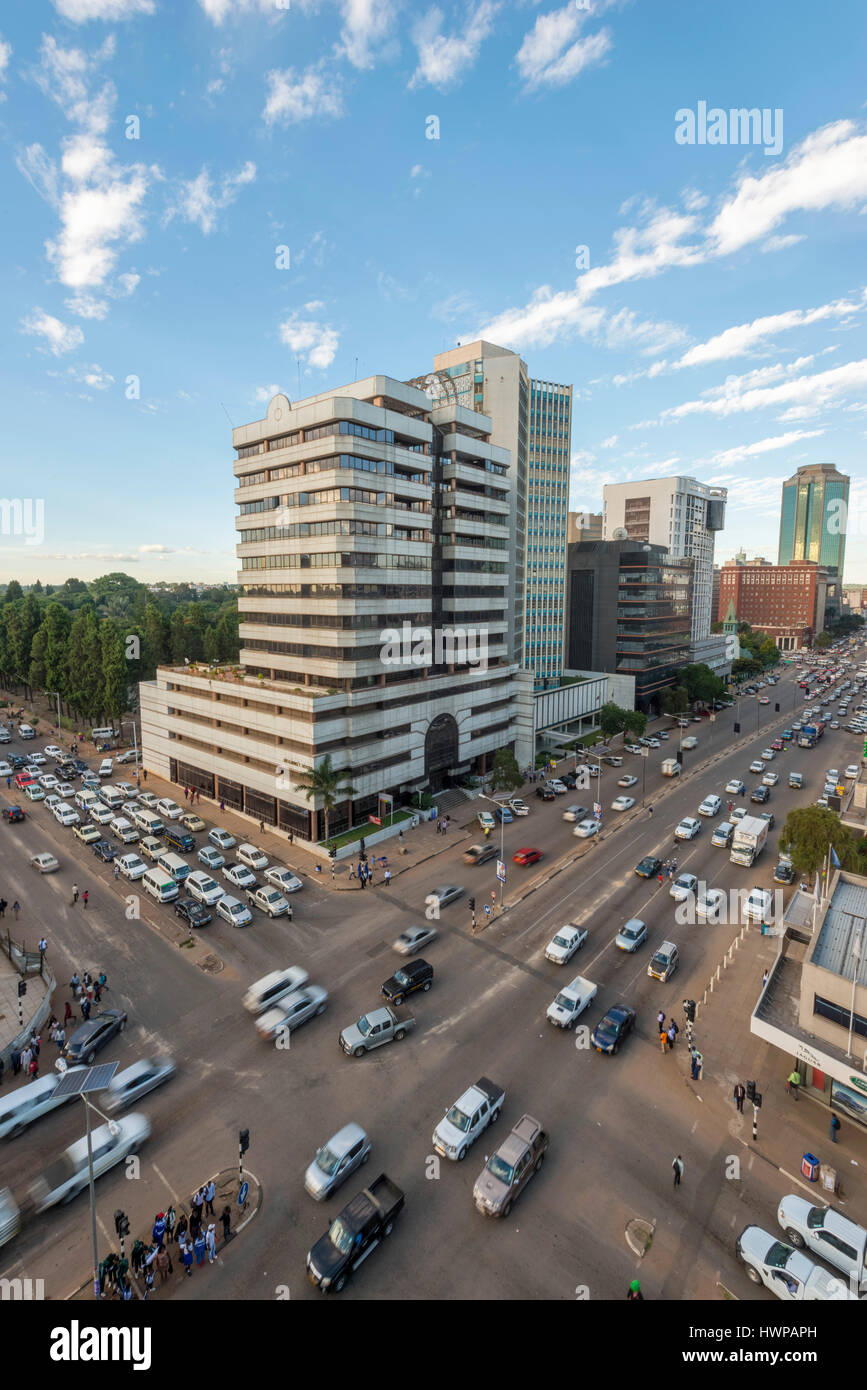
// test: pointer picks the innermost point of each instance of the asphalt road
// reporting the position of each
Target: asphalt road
(615, 1122)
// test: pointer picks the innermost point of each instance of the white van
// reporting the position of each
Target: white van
(84, 799)
(123, 830)
(203, 888)
(20, 1108)
(174, 865)
(160, 885)
(100, 735)
(64, 814)
(25, 731)
(104, 769)
(111, 797)
(149, 823)
(274, 987)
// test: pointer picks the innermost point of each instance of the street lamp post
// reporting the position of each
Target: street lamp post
(482, 797)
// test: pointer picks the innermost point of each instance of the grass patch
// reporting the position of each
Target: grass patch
(359, 832)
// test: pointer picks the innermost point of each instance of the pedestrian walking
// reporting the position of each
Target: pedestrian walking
(85, 1009)
(211, 1243)
(663, 1039)
(15, 1061)
(660, 876)
(75, 983)
(26, 1059)
(673, 1028)
(209, 1194)
(182, 1229)
(137, 1256)
(171, 1222)
(226, 1218)
(84, 897)
(116, 872)
(75, 892)
(835, 1125)
(793, 1083)
(187, 1257)
(261, 827)
(291, 837)
(634, 1291)
(660, 1021)
(163, 1263)
(159, 1229)
(764, 978)
(222, 805)
(739, 1094)
(43, 945)
(650, 813)
(400, 838)
(16, 908)
(200, 1247)
(677, 1167)
(102, 982)
(671, 1035)
(387, 878)
(3, 907)
(60, 1037)
(33, 1069)
(362, 877)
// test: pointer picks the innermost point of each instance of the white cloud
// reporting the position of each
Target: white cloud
(314, 342)
(124, 285)
(263, 394)
(41, 173)
(764, 446)
(220, 10)
(736, 341)
(5, 55)
(299, 96)
(553, 53)
(366, 23)
(609, 442)
(199, 202)
(86, 307)
(59, 337)
(80, 11)
(444, 59)
(93, 376)
(821, 389)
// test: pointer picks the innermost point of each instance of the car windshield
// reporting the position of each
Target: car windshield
(340, 1237)
(778, 1255)
(327, 1160)
(565, 1002)
(561, 941)
(631, 932)
(401, 977)
(364, 1026)
(457, 1118)
(500, 1169)
(608, 1025)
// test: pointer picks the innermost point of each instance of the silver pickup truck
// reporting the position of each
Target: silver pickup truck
(463, 1122)
(373, 1029)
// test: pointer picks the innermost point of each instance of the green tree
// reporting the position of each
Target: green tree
(177, 638)
(505, 773)
(823, 641)
(326, 784)
(700, 683)
(635, 722)
(227, 635)
(807, 833)
(210, 646)
(56, 625)
(155, 649)
(746, 666)
(612, 719)
(673, 699)
(36, 675)
(84, 664)
(13, 592)
(115, 673)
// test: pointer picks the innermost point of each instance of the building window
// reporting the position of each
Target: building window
(838, 1014)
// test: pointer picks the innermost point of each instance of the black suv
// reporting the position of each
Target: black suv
(103, 850)
(545, 793)
(193, 913)
(416, 975)
(761, 794)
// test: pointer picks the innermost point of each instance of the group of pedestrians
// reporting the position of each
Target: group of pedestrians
(194, 797)
(667, 1034)
(668, 870)
(16, 907)
(442, 825)
(75, 895)
(195, 1240)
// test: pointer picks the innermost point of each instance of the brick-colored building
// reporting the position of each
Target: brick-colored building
(787, 602)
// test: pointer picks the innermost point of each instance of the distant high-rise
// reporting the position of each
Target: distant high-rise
(813, 523)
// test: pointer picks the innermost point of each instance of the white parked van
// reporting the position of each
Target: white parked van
(203, 888)
(25, 731)
(65, 814)
(84, 799)
(111, 797)
(131, 866)
(174, 865)
(160, 885)
(100, 735)
(149, 823)
(104, 769)
(124, 830)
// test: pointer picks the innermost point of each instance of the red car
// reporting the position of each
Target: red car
(527, 856)
(13, 814)
(24, 779)
(778, 745)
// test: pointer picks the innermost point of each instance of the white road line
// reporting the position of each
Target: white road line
(163, 1179)
(449, 1023)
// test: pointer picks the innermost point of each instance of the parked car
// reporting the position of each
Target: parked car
(103, 850)
(563, 945)
(333, 1163)
(193, 823)
(87, 834)
(221, 839)
(486, 820)
(827, 1233)
(233, 911)
(132, 866)
(785, 1271)
(252, 857)
(519, 807)
(510, 1168)
(195, 914)
(269, 900)
(239, 875)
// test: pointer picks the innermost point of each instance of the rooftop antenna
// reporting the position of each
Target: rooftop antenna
(298, 360)
(227, 415)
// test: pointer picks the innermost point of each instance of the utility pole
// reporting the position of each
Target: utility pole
(756, 1101)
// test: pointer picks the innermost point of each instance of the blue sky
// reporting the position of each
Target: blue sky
(715, 325)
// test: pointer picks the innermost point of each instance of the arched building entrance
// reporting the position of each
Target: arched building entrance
(441, 750)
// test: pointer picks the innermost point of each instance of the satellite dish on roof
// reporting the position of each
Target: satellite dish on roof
(621, 534)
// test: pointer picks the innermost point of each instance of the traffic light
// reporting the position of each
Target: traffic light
(679, 756)
(332, 853)
(736, 728)
(244, 1140)
(22, 988)
(777, 707)
(689, 1009)
(472, 904)
(757, 1101)
(751, 1091)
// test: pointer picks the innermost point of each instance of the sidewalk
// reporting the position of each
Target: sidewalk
(179, 1284)
(34, 1003)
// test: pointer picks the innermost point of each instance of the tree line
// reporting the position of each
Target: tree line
(92, 643)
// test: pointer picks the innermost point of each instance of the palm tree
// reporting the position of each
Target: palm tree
(326, 782)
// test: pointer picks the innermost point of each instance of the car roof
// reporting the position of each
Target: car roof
(138, 1069)
(378, 1016)
(667, 946)
(345, 1138)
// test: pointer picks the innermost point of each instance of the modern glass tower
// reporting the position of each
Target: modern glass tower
(813, 517)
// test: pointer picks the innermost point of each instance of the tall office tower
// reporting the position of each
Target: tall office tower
(681, 514)
(813, 524)
(533, 420)
(367, 517)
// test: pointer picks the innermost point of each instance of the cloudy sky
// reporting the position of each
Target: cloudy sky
(215, 199)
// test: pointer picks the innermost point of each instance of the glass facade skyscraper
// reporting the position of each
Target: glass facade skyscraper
(813, 524)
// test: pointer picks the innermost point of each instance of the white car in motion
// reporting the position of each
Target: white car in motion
(688, 829)
(623, 803)
(562, 947)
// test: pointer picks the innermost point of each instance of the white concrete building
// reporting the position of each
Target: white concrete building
(374, 551)
(683, 515)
